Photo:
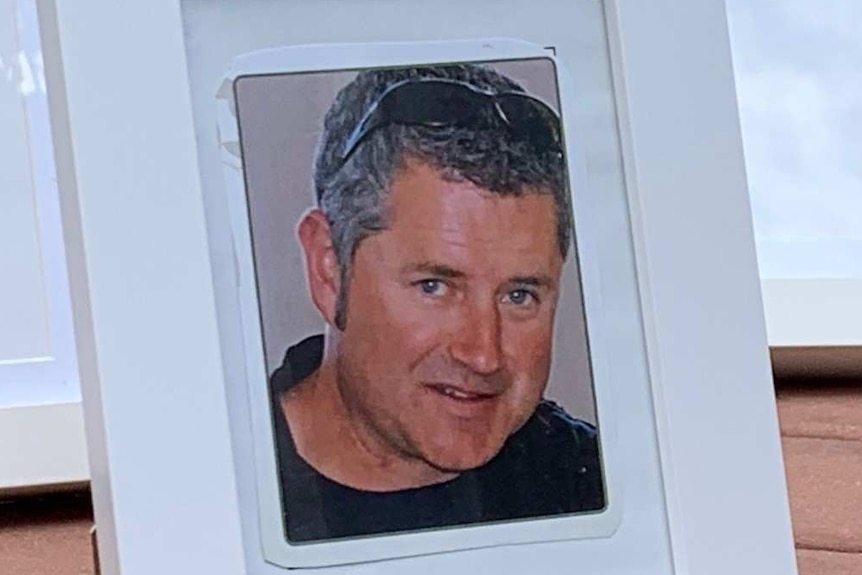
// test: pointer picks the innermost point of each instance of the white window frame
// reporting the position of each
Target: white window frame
(41, 419)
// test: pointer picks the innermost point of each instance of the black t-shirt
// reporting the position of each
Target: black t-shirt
(548, 467)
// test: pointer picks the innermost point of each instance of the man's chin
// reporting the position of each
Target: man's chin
(459, 462)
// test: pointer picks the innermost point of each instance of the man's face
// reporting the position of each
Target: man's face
(450, 315)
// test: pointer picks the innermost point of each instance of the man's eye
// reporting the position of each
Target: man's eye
(431, 287)
(521, 297)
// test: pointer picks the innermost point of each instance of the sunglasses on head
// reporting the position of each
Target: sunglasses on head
(443, 103)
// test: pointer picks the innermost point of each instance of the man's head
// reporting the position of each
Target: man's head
(352, 194)
(436, 255)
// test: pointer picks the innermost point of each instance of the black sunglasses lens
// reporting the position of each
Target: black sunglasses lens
(432, 104)
(531, 121)
(445, 104)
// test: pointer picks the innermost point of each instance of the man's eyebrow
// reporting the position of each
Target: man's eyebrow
(540, 280)
(435, 269)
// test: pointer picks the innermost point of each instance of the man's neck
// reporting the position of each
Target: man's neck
(342, 448)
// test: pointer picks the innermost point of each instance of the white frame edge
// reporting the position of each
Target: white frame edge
(123, 429)
(681, 104)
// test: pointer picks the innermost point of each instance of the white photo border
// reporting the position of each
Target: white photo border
(339, 57)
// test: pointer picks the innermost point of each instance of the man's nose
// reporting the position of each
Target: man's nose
(477, 343)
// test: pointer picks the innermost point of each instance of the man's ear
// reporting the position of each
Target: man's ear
(321, 264)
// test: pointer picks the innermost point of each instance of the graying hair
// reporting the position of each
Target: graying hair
(352, 195)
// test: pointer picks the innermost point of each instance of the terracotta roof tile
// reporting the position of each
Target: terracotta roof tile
(824, 410)
(814, 562)
(825, 484)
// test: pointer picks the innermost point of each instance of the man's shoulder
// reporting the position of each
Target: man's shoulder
(551, 465)
(300, 360)
(551, 420)
(554, 437)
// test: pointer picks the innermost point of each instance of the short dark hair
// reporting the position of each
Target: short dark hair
(351, 194)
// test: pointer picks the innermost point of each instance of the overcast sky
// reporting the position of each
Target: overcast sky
(799, 79)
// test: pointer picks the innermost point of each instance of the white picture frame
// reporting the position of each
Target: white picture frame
(154, 361)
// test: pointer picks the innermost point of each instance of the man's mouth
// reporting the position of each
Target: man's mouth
(459, 393)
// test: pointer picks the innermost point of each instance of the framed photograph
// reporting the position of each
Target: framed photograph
(463, 384)
(202, 251)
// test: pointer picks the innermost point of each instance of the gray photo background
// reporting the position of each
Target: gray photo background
(280, 118)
